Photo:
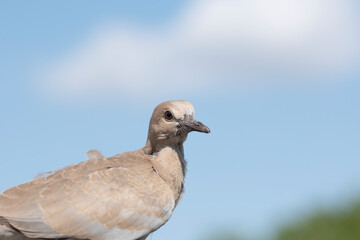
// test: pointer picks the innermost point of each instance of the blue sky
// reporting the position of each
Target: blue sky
(277, 82)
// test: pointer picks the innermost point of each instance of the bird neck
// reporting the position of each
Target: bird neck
(169, 163)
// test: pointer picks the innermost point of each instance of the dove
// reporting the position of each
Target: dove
(123, 197)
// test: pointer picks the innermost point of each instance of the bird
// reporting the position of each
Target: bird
(124, 197)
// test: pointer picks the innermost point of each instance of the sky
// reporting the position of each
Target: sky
(276, 81)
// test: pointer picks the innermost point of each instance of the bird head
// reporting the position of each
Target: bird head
(172, 121)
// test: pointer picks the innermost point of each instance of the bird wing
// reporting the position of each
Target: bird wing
(121, 197)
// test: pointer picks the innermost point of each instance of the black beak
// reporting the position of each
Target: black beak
(188, 125)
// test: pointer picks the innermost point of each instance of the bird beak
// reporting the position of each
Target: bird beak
(188, 125)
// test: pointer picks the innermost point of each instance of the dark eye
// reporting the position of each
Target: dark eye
(168, 115)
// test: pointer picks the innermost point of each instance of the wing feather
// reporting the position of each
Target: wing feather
(104, 198)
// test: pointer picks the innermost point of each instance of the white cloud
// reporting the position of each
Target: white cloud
(210, 44)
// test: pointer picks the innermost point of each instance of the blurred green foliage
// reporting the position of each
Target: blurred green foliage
(326, 225)
(338, 224)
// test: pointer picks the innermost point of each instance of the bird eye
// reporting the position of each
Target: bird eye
(168, 115)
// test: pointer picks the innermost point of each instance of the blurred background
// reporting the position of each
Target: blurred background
(277, 82)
